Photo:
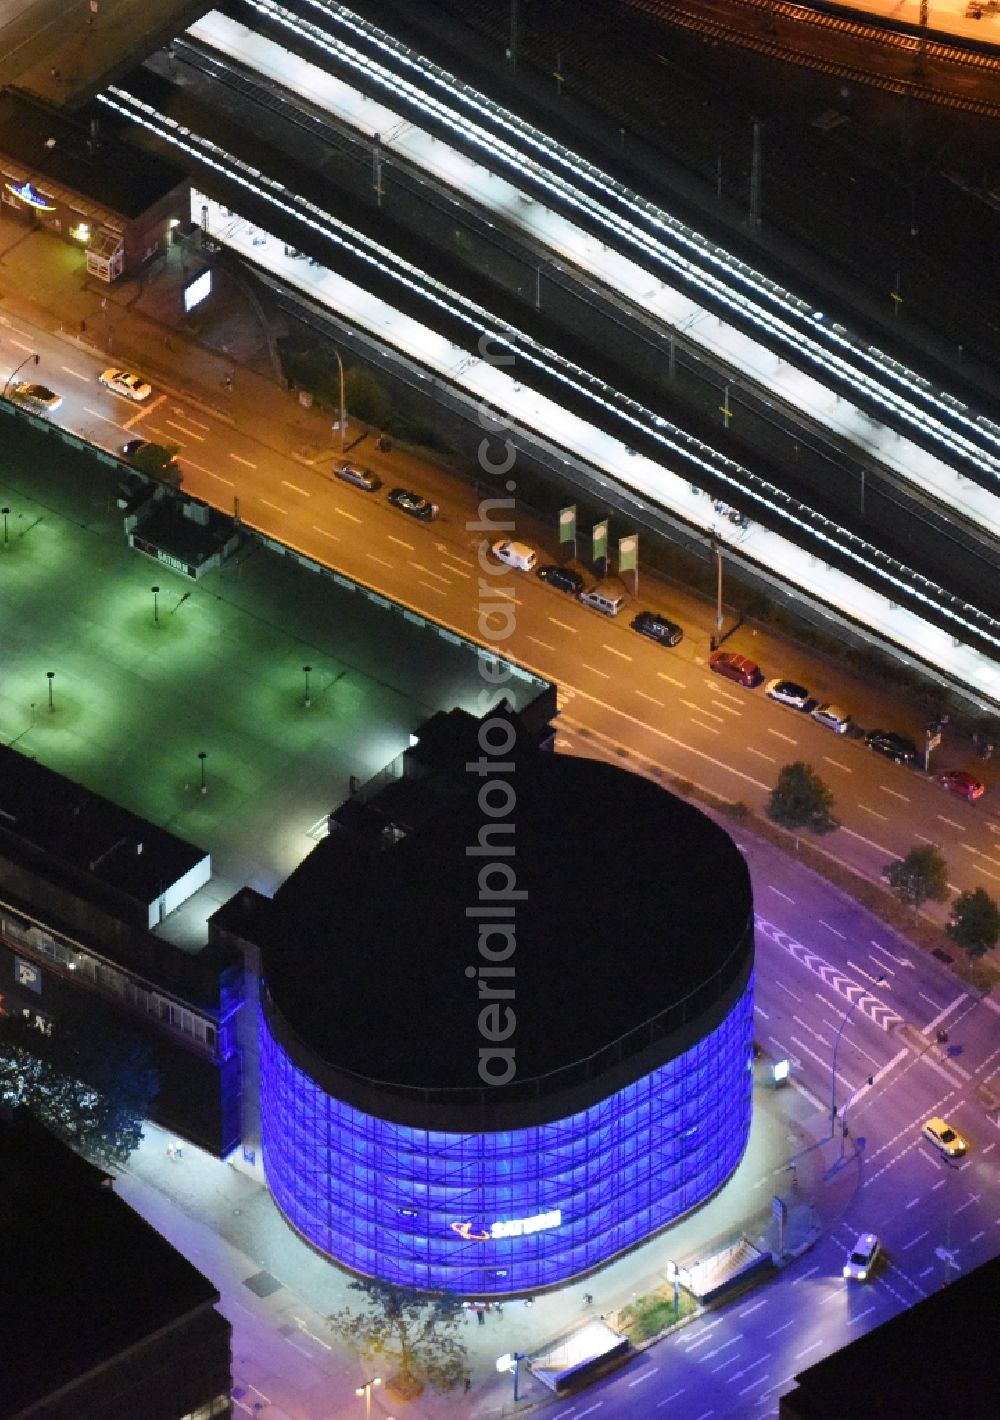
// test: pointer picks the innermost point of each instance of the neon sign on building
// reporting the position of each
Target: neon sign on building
(25, 193)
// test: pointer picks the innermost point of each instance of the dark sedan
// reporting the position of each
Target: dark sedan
(562, 577)
(892, 746)
(413, 503)
(657, 628)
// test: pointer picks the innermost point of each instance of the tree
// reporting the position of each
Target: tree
(975, 922)
(921, 875)
(91, 1085)
(800, 799)
(418, 1334)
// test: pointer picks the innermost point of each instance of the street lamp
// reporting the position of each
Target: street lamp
(202, 756)
(50, 676)
(308, 700)
(342, 422)
(6, 515)
(366, 1391)
(13, 374)
(879, 981)
(156, 605)
(717, 554)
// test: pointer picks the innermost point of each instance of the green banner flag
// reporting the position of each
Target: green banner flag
(567, 524)
(628, 553)
(599, 539)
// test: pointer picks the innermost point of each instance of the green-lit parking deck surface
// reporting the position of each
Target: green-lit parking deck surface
(135, 701)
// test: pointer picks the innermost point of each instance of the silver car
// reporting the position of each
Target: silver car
(833, 717)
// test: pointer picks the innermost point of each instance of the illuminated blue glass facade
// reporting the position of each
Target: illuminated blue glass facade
(423, 1208)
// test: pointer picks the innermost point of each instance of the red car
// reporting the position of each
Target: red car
(965, 785)
(734, 667)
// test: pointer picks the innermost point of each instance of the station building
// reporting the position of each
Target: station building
(115, 203)
(506, 1015)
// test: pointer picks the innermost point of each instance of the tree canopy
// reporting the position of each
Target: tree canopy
(921, 876)
(91, 1085)
(975, 922)
(417, 1335)
(800, 799)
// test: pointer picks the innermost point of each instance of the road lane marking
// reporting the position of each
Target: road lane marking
(545, 644)
(778, 735)
(836, 762)
(651, 698)
(755, 1308)
(861, 972)
(729, 709)
(811, 1347)
(783, 1327)
(858, 1315)
(603, 674)
(380, 560)
(268, 504)
(644, 1377)
(562, 625)
(189, 432)
(710, 728)
(952, 823)
(980, 854)
(440, 590)
(325, 533)
(780, 893)
(912, 1204)
(804, 1275)
(832, 929)
(345, 514)
(408, 545)
(789, 990)
(761, 755)
(210, 472)
(874, 812)
(895, 793)
(247, 464)
(107, 418)
(76, 374)
(186, 414)
(933, 1025)
(428, 571)
(913, 1241)
(662, 675)
(615, 652)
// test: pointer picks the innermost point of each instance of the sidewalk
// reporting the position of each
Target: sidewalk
(277, 1292)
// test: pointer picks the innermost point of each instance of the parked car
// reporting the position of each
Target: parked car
(833, 717)
(944, 1138)
(892, 746)
(133, 387)
(788, 692)
(38, 397)
(359, 477)
(735, 667)
(960, 782)
(413, 503)
(515, 554)
(862, 1257)
(657, 628)
(562, 577)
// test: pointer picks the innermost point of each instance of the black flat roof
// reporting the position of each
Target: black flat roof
(124, 180)
(83, 833)
(632, 900)
(85, 1277)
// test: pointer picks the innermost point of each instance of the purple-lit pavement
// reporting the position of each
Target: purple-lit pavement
(277, 1293)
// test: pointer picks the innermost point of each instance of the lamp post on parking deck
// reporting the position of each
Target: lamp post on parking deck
(366, 1391)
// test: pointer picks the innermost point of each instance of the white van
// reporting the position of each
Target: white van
(515, 554)
(605, 598)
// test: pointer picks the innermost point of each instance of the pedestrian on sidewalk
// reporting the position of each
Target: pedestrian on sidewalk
(587, 1299)
(481, 1316)
(468, 1384)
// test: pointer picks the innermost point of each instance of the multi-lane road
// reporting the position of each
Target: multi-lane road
(661, 710)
